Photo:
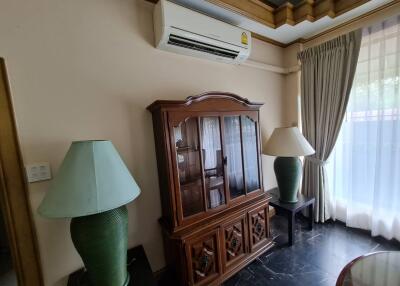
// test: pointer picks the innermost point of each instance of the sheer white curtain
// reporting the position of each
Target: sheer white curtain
(233, 150)
(211, 141)
(250, 153)
(364, 168)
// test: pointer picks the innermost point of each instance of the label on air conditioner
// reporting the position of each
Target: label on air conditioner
(244, 38)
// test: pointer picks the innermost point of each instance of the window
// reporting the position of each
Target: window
(364, 168)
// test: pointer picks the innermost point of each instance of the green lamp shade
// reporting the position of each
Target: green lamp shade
(92, 179)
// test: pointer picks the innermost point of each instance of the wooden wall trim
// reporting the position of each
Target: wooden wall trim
(252, 9)
(14, 196)
(383, 8)
(287, 13)
(268, 40)
(308, 10)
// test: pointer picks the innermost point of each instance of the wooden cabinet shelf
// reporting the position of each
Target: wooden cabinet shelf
(185, 149)
(215, 211)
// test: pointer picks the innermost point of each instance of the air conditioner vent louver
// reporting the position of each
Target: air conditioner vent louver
(203, 47)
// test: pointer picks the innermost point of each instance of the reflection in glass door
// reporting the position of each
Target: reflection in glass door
(188, 161)
(202, 166)
(250, 154)
(233, 153)
(212, 161)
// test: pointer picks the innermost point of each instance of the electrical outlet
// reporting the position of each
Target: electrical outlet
(38, 172)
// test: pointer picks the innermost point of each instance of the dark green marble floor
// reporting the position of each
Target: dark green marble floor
(316, 258)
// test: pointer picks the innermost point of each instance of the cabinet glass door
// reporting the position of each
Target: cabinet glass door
(250, 154)
(189, 166)
(212, 161)
(233, 154)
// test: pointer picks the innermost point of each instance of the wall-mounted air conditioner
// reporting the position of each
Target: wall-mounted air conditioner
(183, 31)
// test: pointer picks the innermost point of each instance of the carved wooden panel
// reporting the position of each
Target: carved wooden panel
(203, 254)
(259, 231)
(235, 241)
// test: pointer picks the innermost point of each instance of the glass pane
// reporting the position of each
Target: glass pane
(233, 153)
(212, 161)
(250, 154)
(188, 159)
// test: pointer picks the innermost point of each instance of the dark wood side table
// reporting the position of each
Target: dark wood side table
(290, 210)
(138, 267)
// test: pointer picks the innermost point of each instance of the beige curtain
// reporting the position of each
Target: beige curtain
(327, 73)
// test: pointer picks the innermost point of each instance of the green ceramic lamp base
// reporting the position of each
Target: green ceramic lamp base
(102, 242)
(288, 174)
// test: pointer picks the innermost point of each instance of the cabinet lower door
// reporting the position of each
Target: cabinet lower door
(258, 226)
(202, 253)
(234, 241)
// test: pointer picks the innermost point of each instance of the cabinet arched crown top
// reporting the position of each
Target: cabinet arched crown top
(208, 96)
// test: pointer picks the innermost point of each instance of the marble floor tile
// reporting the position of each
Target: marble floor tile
(316, 258)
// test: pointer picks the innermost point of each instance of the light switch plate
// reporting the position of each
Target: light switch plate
(38, 172)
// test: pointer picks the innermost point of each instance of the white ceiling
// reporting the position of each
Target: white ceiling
(285, 33)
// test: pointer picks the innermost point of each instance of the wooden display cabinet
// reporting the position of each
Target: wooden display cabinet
(214, 209)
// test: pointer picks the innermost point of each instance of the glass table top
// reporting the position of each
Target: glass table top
(380, 268)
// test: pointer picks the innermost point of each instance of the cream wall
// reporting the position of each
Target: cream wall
(84, 69)
(291, 94)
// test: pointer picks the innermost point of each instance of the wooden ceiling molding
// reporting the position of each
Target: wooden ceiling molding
(268, 40)
(252, 9)
(284, 15)
(288, 13)
(275, 13)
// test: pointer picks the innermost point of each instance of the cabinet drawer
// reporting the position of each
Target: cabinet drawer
(203, 260)
(258, 227)
(234, 241)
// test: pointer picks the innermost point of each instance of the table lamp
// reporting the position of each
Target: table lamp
(288, 144)
(92, 187)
